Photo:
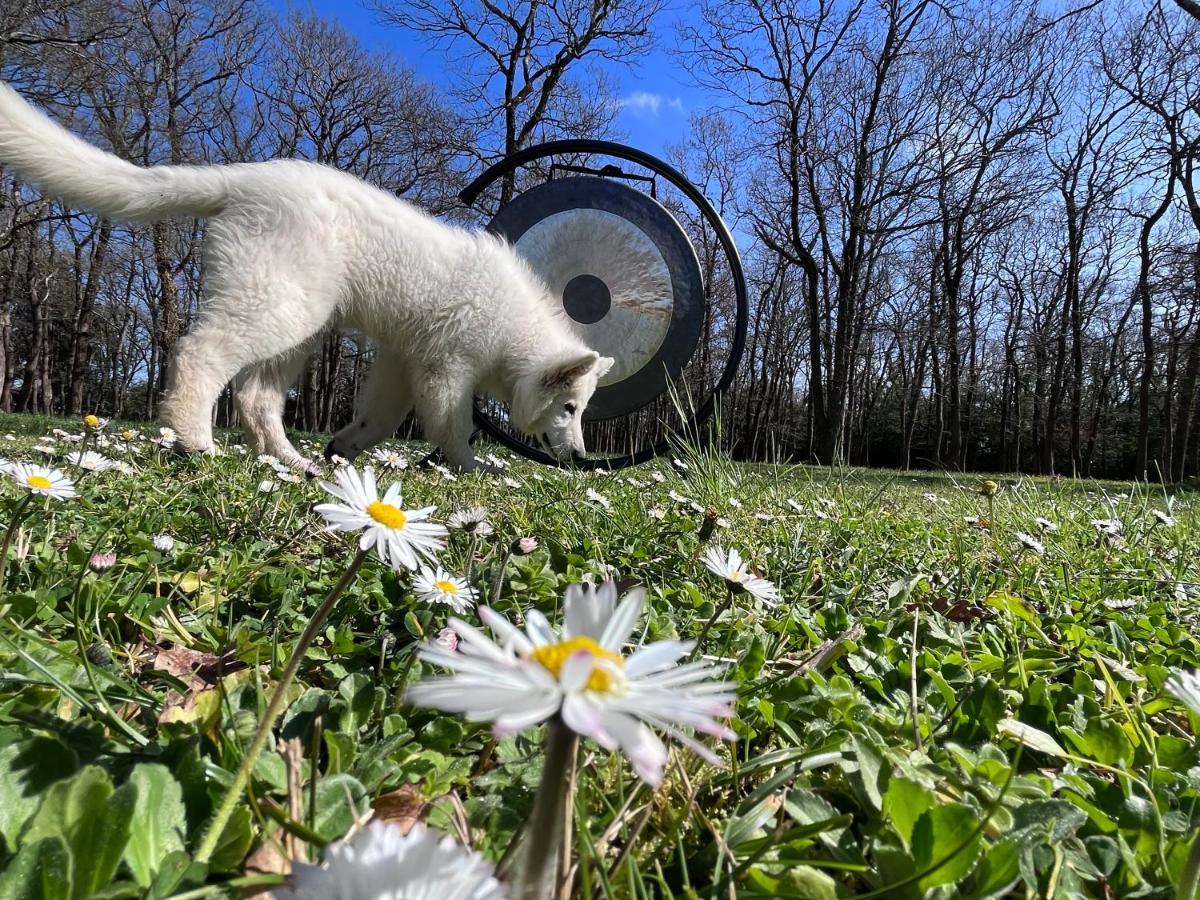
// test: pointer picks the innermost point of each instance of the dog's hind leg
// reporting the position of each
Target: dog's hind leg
(261, 395)
(235, 333)
(383, 405)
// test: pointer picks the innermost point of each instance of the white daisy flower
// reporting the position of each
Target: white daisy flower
(596, 497)
(735, 502)
(268, 460)
(1108, 527)
(446, 473)
(732, 568)
(1031, 543)
(679, 463)
(658, 513)
(389, 459)
(526, 677)
(511, 482)
(472, 521)
(42, 480)
(1185, 687)
(45, 449)
(1164, 518)
(398, 535)
(164, 542)
(437, 586)
(764, 517)
(658, 476)
(794, 505)
(123, 467)
(59, 433)
(1121, 603)
(289, 477)
(382, 863)
(1045, 524)
(90, 461)
(496, 461)
(267, 485)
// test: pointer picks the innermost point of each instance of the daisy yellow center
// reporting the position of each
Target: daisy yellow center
(446, 587)
(41, 482)
(552, 657)
(91, 421)
(735, 575)
(386, 514)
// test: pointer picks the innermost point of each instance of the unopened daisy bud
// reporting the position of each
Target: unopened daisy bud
(708, 525)
(525, 545)
(989, 488)
(447, 639)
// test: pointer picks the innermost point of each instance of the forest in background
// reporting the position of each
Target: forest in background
(971, 230)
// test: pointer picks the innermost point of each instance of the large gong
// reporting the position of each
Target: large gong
(629, 281)
(626, 275)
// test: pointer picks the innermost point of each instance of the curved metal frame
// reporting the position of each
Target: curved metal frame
(608, 148)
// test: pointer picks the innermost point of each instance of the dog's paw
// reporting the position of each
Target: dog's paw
(338, 451)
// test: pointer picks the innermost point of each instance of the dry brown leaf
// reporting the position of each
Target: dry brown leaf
(402, 807)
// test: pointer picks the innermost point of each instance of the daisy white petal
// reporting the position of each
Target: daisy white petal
(42, 480)
(382, 862)
(401, 537)
(581, 673)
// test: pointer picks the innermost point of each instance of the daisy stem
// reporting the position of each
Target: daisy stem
(547, 824)
(498, 579)
(720, 610)
(1189, 878)
(274, 708)
(18, 515)
(472, 542)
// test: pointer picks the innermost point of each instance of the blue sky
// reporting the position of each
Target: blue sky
(657, 93)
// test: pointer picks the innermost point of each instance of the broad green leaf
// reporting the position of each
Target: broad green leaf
(41, 870)
(998, 871)
(27, 769)
(904, 802)
(340, 801)
(1031, 737)
(943, 837)
(803, 882)
(1103, 740)
(94, 822)
(160, 821)
(234, 843)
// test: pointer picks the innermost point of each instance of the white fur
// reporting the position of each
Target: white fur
(295, 249)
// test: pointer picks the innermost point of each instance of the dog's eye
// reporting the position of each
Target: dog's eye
(570, 408)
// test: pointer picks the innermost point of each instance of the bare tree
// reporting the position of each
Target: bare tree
(520, 61)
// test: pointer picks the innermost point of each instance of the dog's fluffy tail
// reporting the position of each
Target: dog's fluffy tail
(85, 176)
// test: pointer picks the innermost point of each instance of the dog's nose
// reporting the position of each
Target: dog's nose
(578, 456)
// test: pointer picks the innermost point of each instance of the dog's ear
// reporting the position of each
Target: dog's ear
(570, 369)
(603, 364)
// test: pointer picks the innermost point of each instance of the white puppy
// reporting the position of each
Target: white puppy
(296, 249)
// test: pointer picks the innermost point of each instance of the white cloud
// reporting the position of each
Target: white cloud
(647, 103)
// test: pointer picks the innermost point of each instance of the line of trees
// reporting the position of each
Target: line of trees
(971, 231)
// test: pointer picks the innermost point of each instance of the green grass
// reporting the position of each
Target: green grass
(874, 752)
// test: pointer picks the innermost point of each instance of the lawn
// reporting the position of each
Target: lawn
(957, 695)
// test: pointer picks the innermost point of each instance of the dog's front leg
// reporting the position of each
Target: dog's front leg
(384, 404)
(446, 405)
